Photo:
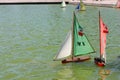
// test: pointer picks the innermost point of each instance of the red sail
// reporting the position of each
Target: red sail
(103, 33)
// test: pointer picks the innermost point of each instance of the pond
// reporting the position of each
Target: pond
(31, 35)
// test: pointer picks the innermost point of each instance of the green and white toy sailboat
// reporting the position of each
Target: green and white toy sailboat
(75, 46)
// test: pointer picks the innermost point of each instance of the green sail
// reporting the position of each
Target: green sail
(81, 45)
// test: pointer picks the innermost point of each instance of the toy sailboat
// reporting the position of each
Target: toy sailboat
(75, 46)
(63, 4)
(118, 4)
(78, 6)
(81, 6)
(103, 30)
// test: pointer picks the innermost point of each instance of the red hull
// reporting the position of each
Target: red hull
(75, 59)
(99, 62)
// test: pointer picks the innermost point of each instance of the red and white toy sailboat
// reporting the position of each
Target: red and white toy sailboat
(103, 30)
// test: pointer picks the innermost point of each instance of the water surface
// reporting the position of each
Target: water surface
(31, 35)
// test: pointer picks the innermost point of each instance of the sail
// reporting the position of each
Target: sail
(66, 48)
(118, 4)
(82, 6)
(80, 42)
(78, 7)
(103, 34)
(63, 4)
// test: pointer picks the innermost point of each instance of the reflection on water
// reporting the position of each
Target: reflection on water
(65, 74)
(103, 73)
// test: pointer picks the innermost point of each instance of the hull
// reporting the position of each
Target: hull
(63, 6)
(75, 59)
(83, 8)
(99, 62)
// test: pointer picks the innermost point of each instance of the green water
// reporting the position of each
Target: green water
(31, 35)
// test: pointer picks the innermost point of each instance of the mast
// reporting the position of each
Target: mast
(73, 35)
(100, 36)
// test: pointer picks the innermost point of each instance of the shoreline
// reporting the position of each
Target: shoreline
(104, 3)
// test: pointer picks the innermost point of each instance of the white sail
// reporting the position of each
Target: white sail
(104, 56)
(66, 48)
(104, 46)
(63, 4)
